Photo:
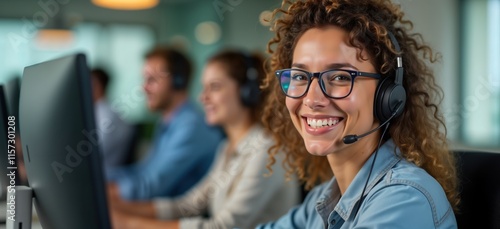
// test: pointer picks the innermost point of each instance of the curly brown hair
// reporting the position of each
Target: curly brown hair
(420, 132)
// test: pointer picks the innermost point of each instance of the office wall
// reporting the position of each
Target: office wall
(241, 26)
(179, 30)
(438, 22)
(480, 68)
(238, 21)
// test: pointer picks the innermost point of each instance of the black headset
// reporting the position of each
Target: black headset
(390, 96)
(249, 89)
(179, 80)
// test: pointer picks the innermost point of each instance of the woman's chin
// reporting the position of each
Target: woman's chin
(211, 121)
(318, 149)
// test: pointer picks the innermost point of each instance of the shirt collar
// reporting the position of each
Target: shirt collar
(165, 120)
(388, 156)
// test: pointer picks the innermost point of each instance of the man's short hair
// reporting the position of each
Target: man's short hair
(176, 63)
(101, 76)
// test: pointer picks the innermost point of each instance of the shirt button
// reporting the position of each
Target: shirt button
(333, 222)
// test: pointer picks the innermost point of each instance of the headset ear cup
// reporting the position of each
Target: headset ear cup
(244, 94)
(250, 94)
(249, 90)
(387, 98)
(179, 82)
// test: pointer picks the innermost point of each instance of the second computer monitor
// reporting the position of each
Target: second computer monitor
(59, 145)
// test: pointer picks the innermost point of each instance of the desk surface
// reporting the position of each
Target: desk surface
(35, 224)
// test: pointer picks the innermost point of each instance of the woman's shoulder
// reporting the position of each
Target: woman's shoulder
(257, 139)
(254, 150)
(408, 173)
(407, 179)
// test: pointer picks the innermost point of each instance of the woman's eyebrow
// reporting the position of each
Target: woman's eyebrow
(329, 66)
(341, 65)
(298, 65)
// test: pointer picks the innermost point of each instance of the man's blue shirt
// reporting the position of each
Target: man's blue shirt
(399, 195)
(182, 152)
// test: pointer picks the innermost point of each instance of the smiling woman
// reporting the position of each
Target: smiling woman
(342, 104)
(317, 50)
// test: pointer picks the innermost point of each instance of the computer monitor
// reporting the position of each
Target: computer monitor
(4, 180)
(12, 89)
(60, 153)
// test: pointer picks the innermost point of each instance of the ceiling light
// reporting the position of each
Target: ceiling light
(54, 38)
(265, 18)
(126, 4)
(207, 33)
(56, 33)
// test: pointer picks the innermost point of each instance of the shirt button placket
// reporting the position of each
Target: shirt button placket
(334, 222)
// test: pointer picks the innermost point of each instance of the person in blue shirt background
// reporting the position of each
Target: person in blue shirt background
(184, 145)
(353, 97)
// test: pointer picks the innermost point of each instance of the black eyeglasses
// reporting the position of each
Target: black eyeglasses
(335, 83)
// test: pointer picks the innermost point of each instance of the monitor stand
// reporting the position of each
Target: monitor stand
(19, 210)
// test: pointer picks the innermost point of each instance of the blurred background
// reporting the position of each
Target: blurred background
(465, 32)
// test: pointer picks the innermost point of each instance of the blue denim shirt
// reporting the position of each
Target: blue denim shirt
(182, 153)
(399, 195)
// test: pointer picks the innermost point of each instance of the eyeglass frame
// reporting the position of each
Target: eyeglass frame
(319, 75)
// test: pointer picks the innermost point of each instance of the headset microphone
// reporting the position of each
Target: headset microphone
(349, 139)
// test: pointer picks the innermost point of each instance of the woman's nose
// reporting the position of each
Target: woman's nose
(203, 96)
(314, 98)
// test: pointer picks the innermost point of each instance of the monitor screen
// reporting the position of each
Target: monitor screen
(62, 161)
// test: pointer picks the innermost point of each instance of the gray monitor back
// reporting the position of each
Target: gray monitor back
(4, 180)
(62, 161)
(12, 89)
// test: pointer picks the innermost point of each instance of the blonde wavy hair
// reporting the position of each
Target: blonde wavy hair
(420, 132)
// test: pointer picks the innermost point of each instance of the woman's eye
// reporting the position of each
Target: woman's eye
(215, 87)
(299, 77)
(341, 78)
